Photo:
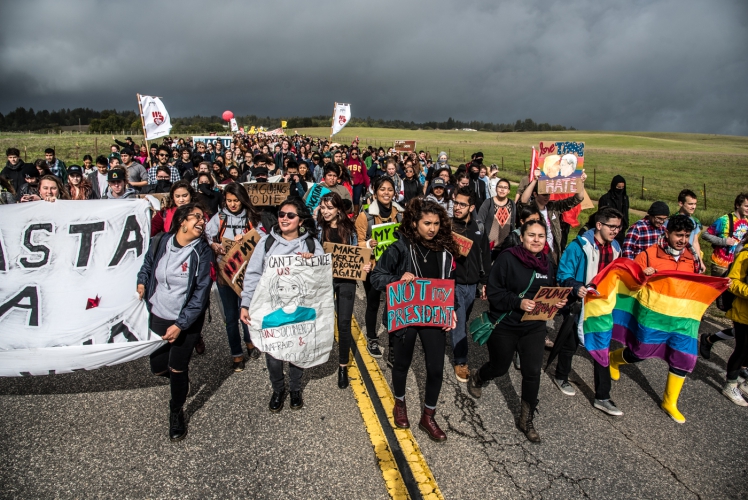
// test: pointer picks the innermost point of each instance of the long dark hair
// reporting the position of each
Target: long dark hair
(344, 224)
(241, 194)
(180, 215)
(415, 212)
(307, 221)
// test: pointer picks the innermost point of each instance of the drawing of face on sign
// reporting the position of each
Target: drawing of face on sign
(552, 166)
(287, 296)
(567, 165)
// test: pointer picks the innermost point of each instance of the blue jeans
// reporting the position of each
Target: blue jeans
(231, 307)
(465, 295)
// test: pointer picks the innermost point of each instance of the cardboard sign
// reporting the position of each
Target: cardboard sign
(234, 263)
(314, 195)
(228, 244)
(422, 302)
(561, 164)
(464, 244)
(348, 261)
(545, 303)
(161, 200)
(384, 234)
(405, 146)
(266, 194)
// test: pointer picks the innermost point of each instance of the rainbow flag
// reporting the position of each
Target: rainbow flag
(655, 316)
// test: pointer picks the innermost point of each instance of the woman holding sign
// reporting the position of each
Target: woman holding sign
(175, 281)
(335, 227)
(294, 233)
(515, 278)
(424, 250)
(382, 210)
(236, 218)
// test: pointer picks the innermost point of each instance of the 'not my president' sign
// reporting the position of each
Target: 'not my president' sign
(422, 302)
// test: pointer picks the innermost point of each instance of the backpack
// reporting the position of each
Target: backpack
(724, 301)
(271, 239)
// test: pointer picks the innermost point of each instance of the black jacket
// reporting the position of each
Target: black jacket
(478, 186)
(196, 301)
(508, 278)
(14, 173)
(474, 268)
(396, 261)
(411, 189)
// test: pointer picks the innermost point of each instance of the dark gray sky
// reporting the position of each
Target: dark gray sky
(661, 65)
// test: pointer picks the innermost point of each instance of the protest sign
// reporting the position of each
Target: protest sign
(68, 281)
(265, 194)
(561, 164)
(545, 303)
(405, 146)
(384, 234)
(158, 201)
(348, 261)
(234, 263)
(292, 314)
(234, 125)
(463, 244)
(315, 194)
(422, 302)
(212, 139)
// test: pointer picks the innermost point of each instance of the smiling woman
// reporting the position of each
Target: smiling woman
(175, 281)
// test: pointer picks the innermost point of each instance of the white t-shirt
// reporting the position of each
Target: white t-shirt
(548, 231)
(103, 183)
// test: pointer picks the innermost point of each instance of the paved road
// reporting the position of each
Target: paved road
(103, 434)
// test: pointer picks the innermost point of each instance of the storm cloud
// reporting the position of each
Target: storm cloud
(657, 65)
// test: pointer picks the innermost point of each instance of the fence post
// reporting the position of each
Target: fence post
(525, 164)
(25, 150)
(594, 178)
(502, 163)
(642, 187)
(96, 146)
(705, 196)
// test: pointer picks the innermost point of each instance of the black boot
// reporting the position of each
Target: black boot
(177, 425)
(343, 377)
(297, 402)
(276, 401)
(525, 422)
(474, 384)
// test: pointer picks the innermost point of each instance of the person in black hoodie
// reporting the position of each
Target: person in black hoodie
(617, 198)
(472, 271)
(175, 281)
(424, 249)
(515, 278)
(184, 164)
(476, 183)
(411, 186)
(13, 169)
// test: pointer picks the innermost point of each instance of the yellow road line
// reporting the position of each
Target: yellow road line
(421, 471)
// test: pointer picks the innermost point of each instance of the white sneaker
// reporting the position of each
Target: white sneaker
(732, 393)
(744, 389)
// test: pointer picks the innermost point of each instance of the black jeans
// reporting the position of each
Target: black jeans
(277, 379)
(172, 359)
(345, 295)
(739, 356)
(373, 297)
(432, 340)
(530, 343)
(566, 354)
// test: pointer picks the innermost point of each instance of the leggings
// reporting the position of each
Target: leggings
(432, 340)
(629, 357)
(739, 356)
(373, 297)
(345, 295)
(172, 359)
(530, 343)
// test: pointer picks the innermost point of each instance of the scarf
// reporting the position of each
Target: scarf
(529, 260)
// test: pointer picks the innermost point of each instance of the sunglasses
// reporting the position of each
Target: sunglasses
(163, 154)
(287, 215)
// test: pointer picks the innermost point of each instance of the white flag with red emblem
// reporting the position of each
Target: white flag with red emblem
(156, 119)
(341, 117)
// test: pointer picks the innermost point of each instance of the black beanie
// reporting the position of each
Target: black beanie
(659, 208)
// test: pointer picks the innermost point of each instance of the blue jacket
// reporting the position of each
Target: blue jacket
(579, 262)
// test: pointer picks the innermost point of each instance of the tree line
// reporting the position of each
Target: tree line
(110, 120)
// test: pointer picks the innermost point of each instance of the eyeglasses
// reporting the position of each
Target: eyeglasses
(461, 204)
(354, 154)
(163, 154)
(611, 226)
(196, 216)
(287, 215)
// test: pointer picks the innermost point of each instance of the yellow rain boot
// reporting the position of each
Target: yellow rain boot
(670, 398)
(615, 359)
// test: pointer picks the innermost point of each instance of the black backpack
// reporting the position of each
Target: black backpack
(724, 301)
(271, 239)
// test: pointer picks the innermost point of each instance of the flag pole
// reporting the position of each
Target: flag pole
(142, 123)
(335, 106)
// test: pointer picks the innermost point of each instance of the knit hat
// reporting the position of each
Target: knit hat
(659, 208)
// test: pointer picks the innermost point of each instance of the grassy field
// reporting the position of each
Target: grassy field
(664, 163)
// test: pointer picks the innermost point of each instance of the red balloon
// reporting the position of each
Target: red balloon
(227, 116)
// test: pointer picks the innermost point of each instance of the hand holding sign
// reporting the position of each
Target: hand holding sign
(546, 303)
(420, 302)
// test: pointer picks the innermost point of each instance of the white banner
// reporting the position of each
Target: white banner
(234, 125)
(212, 139)
(340, 117)
(155, 117)
(277, 131)
(292, 314)
(68, 273)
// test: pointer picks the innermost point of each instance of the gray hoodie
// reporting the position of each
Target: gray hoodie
(256, 264)
(172, 279)
(129, 193)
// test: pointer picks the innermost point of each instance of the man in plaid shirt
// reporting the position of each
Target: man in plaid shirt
(163, 155)
(647, 231)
